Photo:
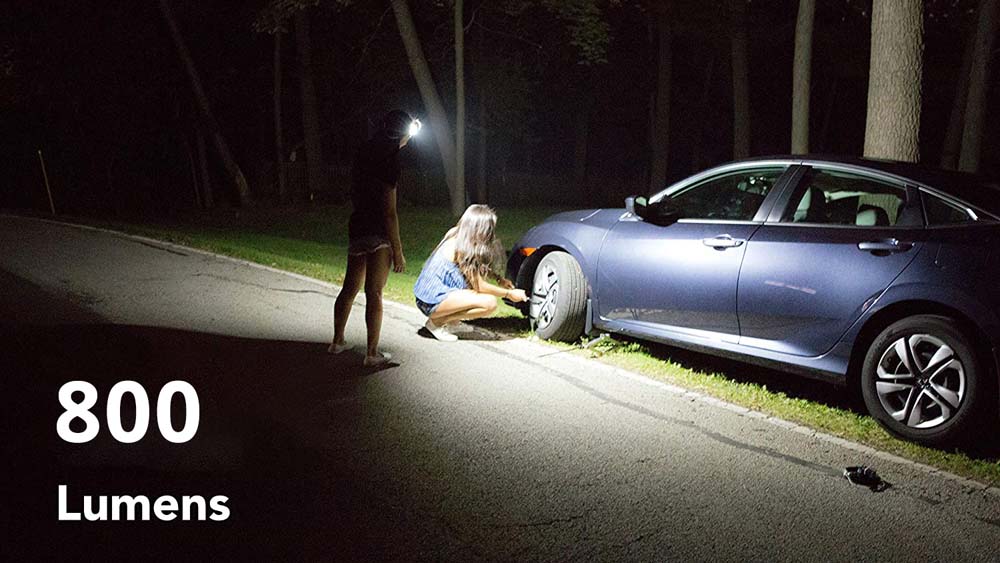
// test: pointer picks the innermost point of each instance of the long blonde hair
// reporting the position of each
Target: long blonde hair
(477, 251)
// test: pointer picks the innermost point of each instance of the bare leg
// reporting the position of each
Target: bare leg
(378, 272)
(463, 305)
(353, 279)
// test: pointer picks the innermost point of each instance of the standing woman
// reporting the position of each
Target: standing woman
(373, 231)
(452, 286)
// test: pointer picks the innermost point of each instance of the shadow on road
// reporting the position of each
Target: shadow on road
(268, 411)
(480, 330)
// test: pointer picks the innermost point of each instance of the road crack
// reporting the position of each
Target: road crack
(262, 286)
(551, 522)
(157, 247)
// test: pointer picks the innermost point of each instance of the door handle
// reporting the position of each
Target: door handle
(722, 241)
(887, 245)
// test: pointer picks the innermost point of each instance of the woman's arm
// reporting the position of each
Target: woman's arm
(515, 295)
(392, 228)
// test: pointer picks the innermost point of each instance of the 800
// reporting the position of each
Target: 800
(82, 408)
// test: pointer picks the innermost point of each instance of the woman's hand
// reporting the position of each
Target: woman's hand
(517, 295)
(398, 262)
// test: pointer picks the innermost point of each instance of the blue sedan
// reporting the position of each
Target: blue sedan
(879, 275)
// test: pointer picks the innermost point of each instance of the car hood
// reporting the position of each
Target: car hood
(591, 217)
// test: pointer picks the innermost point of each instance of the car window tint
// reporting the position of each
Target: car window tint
(837, 198)
(733, 197)
(941, 212)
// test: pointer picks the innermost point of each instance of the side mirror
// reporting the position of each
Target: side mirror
(662, 213)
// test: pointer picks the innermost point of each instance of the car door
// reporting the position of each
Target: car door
(682, 278)
(833, 243)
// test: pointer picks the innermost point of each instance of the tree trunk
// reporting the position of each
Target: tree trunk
(952, 145)
(482, 185)
(310, 113)
(228, 161)
(801, 76)
(831, 104)
(660, 137)
(459, 99)
(741, 81)
(482, 189)
(482, 160)
(194, 174)
(698, 159)
(581, 143)
(279, 141)
(207, 199)
(892, 130)
(432, 101)
(975, 106)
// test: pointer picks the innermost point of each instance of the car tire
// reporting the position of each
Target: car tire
(558, 298)
(938, 403)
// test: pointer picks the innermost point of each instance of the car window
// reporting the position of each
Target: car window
(734, 196)
(830, 197)
(941, 212)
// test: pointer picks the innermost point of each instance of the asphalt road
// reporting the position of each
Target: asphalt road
(482, 449)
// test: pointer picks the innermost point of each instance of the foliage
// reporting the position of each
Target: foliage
(7, 74)
(588, 31)
(274, 16)
(584, 21)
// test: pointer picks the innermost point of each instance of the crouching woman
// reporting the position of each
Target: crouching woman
(452, 286)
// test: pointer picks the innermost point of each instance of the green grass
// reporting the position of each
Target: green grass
(313, 242)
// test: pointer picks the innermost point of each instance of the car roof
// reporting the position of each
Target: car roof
(976, 190)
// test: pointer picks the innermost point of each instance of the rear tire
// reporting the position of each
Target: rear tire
(923, 381)
(559, 298)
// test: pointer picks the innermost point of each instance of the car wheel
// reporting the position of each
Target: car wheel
(558, 298)
(922, 380)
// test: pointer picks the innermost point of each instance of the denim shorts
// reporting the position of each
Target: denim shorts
(426, 308)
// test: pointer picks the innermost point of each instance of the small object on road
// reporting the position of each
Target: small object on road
(867, 477)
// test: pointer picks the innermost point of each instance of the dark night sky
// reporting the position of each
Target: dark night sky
(97, 85)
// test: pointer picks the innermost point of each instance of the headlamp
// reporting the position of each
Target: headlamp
(415, 126)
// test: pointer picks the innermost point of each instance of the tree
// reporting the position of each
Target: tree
(975, 105)
(207, 197)
(439, 122)
(741, 80)
(228, 161)
(459, 100)
(588, 35)
(660, 126)
(801, 76)
(310, 111)
(279, 138)
(952, 145)
(892, 129)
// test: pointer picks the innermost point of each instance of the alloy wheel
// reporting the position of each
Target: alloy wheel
(920, 381)
(544, 294)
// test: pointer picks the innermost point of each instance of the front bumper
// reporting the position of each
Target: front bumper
(514, 261)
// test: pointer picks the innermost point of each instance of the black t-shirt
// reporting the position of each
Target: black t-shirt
(375, 171)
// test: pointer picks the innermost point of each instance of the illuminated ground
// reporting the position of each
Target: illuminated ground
(480, 449)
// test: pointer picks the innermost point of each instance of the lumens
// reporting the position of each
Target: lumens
(139, 507)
